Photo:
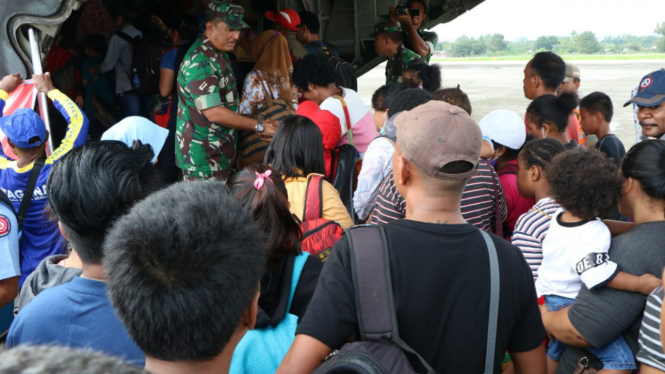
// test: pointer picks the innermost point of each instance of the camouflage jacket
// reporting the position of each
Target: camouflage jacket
(429, 37)
(398, 63)
(205, 81)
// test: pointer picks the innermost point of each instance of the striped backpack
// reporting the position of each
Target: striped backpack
(252, 148)
(319, 234)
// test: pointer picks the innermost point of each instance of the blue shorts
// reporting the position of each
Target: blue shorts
(614, 355)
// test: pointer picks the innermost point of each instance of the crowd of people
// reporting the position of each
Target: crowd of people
(219, 227)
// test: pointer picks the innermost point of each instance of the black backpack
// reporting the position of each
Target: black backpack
(346, 74)
(146, 59)
(381, 350)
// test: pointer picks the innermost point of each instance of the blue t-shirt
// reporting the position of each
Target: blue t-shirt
(9, 257)
(41, 236)
(77, 314)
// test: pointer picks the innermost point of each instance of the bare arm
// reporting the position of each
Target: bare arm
(8, 290)
(166, 79)
(644, 284)
(646, 369)
(530, 362)
(417, 43)
(558, 324)
(229, 118)
(304, 356)
(618, 227)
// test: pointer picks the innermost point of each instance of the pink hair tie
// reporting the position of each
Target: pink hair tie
(261, 179)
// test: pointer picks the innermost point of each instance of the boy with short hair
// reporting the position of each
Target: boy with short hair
(596, 113)
(186, 288)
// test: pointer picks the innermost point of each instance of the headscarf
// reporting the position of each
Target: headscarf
(271, 52)
(138, 128)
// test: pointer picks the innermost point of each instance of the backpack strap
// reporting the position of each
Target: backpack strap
(313, 206)
(124, 36)
(349, 133)
(372, 282)
(495, 287)
(498, 222)
(509, 169)
(29, 189)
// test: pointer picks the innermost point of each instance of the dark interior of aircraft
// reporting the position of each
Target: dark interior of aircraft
(346, 24)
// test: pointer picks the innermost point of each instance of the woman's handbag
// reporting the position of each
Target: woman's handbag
(252, 148)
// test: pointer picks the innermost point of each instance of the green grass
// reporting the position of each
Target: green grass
(654, 56)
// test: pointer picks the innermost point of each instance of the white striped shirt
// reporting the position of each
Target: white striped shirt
(530, 231)
(651, 349)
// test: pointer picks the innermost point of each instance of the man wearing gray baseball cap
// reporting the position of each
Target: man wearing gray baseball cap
(439, 264)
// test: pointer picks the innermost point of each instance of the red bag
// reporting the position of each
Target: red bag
(162, 117)
(319, 234)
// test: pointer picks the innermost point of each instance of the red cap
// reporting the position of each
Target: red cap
(288, 18)
(328, 123)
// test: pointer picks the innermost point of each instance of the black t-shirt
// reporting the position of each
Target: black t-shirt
(612, 147)
(441, 284)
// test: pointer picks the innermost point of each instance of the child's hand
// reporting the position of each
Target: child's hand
(648, 283)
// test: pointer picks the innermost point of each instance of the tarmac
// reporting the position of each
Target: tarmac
(498, 85)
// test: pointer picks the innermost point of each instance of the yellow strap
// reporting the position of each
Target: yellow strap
(543, 213)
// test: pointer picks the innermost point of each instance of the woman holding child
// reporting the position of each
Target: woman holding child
(600, 315)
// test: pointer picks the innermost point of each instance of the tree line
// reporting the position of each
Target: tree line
(582, 43)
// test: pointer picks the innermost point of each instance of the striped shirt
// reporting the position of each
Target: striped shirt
(478, 204)
(651, 349)
(530, 231)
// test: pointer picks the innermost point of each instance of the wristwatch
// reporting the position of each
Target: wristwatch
(259, 126)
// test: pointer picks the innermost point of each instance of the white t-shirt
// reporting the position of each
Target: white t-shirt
(363, 128)
(574, 254)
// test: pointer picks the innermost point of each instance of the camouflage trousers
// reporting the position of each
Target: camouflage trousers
(192, 176)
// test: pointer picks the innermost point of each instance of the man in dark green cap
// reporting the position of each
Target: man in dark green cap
(208, 119)
(389, 42)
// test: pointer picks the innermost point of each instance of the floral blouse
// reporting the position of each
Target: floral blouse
(253, 95)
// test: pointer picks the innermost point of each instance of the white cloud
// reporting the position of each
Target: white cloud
(533, 18)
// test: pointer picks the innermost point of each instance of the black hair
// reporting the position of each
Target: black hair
(296, 149)
(454, 96)
(95, 184)
(550, 68)
(383, 94)
(598, 102)
(645, 162)
(313, 69)
(311, 21)
(586, 195)
(418, 1)
(510, 154)
(408, 99)
(187, 27)
(96, 43)
(269, 207)
(50, 359)
(183, 266)
(540, 152)
(553, 110)
(429, 74)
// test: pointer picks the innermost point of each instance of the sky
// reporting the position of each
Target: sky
(533, 18)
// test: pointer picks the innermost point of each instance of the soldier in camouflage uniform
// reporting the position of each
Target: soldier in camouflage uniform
(208, 119)
(388, 42)
(418, 40)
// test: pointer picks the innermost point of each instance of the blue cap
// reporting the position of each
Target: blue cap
(651, 91)
(138, 128)
(24, 128)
